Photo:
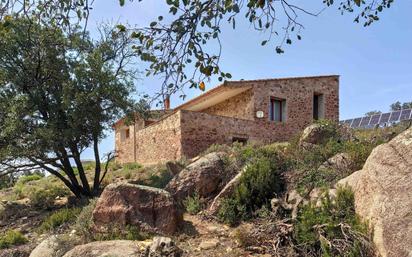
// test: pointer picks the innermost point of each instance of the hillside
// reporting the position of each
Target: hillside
(242, 200)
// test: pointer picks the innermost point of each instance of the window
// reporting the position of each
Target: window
(277, 110)
(318, 110)
(124, 134)
(127, 133)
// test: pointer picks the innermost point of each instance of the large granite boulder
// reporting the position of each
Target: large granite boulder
(118, 248)
(383, 195)
(55, 246)
(320, 133)
(206, 177)
(150, 209)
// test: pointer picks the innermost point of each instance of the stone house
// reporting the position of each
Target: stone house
(267, 110)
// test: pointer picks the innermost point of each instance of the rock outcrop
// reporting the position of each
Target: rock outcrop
(118, 248)
(55, 246)
(383, 195)
(150, 209)
(205, 177)
(163, 247)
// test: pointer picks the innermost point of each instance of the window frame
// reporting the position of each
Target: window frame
(282, 109)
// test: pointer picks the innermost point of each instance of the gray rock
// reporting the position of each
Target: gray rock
(118, 248)
(383, 195)
(204, 177)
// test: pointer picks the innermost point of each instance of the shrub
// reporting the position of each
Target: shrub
(12, 238)
(121, 233)
(84, 221)
(58, 218)
(260, 182)
(244, 237)
(193, 204)
(158, 180)
(32, 177)
(131, 166)
(44, 197)
(231, 211)
(332, 229)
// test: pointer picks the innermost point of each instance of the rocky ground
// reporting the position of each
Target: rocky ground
(141, 214)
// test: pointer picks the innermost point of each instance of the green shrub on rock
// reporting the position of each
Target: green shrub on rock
(333, 228)
(12, 238)
(59, 218)
(193, 204)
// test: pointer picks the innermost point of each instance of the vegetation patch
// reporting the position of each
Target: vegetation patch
(333, 228)
(12, 238)
(193, 204)
(61, 217)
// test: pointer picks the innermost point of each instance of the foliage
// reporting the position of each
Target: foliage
(84, 221)
(243, 236)
(12, 238)
(400, 106)
(333, 229)
(157, 179)
(121, 233)
(64, 216)
(43, 198)
(178, 48)
(27, 178)
(78, 88)
(193, 204)
(260, 182)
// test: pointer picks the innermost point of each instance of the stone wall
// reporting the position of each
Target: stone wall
(160, 141)
(187, 133)
(239, 106)
(200, 130)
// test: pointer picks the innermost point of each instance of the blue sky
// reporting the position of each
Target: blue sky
(375, 63)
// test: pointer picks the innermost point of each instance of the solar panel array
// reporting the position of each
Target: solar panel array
(379, 119)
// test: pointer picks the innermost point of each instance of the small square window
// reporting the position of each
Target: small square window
(277, 110)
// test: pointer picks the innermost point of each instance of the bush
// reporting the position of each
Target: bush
(32, 177)
(12, 238)
(193, 204)
(58, 218)
(121, 233)
(43, 197)
(259, 183)
(131, 166)
(244, 237)
(84, 221)
(158, 180)
(333, 229)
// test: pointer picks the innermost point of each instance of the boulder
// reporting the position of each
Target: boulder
(148, 208)
(224, 193)
(118, 248)
(163, 246)
(340, 163)
(383, 195)
(55, 246)
(204, 177)
(315, 134)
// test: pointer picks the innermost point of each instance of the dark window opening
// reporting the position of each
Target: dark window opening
(127, 133)
(317, 106)
(277, 110)
(240, 140)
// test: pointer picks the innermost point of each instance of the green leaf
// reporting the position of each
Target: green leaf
(264, 42)
(357, 2)
(121, 2)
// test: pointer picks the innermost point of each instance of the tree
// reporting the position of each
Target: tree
(58, 95)
(371, 113)
(182, 50)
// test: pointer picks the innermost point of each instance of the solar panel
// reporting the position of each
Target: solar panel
(405, 114)
(365, 121)
(375, 119)
(356, 122)
(395, 116)
(348, 121)
(385, 117)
